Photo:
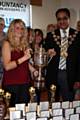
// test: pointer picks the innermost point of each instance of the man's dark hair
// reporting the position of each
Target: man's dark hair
(66, 10)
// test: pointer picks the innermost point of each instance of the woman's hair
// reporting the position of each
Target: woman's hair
(38, 32)
(11, 35)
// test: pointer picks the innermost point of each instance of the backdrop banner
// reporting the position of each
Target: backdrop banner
(12, 9)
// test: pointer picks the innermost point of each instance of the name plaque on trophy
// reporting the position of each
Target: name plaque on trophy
(31, 115)
(42, 118)
(44, 106)
(15, 115)
(56, 105)
(68, 112)
(65, 104)
(58, 118)
(76, 103)
(21, 119)
(78, 110)
(74, 117)
(57, 112)
(21, 107)
(32, 107)
(45, 114)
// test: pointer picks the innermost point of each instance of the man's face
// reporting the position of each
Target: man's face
(62, 20)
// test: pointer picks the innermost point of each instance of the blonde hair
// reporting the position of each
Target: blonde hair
(11, 35)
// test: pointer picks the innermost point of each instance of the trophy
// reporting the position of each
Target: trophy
(32, 94)
(52, 91)
(7, 97)
(1, 94)
(40, 62)
(4, 104)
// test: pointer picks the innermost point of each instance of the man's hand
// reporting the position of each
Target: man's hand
(51, 52)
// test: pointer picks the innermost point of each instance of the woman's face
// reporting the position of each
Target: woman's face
(19, 30)
(38, 38)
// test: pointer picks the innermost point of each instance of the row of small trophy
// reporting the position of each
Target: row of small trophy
(33, 93)
(4, 103)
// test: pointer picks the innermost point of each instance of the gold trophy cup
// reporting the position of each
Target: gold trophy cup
(32, 94)
(52, 91)
(4, 104)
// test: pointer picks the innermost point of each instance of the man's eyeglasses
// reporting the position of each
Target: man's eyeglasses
(64, 18)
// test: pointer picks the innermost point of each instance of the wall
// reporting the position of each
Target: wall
(74, 7)
(41, 16)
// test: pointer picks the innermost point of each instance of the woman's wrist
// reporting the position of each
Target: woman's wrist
(17, 62)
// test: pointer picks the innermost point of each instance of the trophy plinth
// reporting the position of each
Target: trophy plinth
(40, 61)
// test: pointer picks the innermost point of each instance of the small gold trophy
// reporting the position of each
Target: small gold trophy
(1, 94)
(32, 94)
(7, 97)
(52, 91)
(4, 103)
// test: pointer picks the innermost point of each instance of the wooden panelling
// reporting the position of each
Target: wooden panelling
(36, 2)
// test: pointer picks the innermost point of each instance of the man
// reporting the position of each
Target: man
(63, 63)
(2, 36)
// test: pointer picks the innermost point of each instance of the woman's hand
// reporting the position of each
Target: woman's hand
(27, 53)
(35, 73)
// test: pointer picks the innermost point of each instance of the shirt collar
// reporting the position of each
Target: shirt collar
(67, 32)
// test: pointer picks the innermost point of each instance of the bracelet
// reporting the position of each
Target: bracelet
(17, 63)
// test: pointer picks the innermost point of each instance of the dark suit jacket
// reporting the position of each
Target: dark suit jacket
(53, 40)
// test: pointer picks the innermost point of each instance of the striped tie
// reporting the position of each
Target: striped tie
(64, 44)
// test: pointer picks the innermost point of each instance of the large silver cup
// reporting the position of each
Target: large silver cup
(40, 61)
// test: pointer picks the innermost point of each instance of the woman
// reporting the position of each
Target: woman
(38, 44)
(38, 39)
(16, 55)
